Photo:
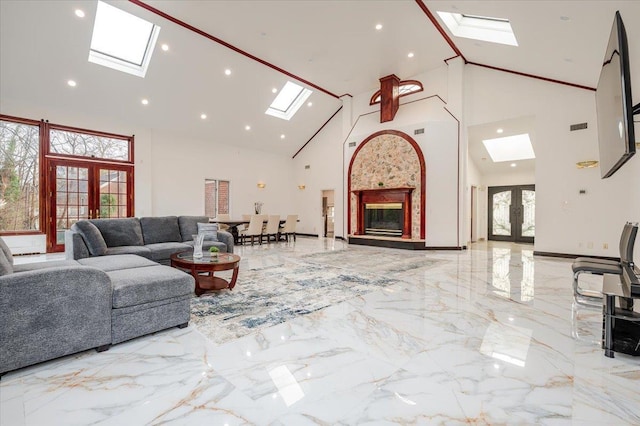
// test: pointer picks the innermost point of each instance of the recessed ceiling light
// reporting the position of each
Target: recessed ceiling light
(203, 116)
(227, 72)
(410, 55)
(79, 13)
(274, 90)
(513, 164)
(309, 103)
(499, 130)
(282, 136)
(378, 27)
(145, 102)
(247, 127)
(72, 83)
(165, 47)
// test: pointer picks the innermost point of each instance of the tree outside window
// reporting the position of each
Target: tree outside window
(19, 177)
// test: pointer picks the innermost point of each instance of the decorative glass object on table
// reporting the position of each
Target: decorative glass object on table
(198, 239)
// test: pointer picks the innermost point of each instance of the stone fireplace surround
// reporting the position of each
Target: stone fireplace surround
(394, 159)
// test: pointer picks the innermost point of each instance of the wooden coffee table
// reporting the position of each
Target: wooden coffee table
(202, 269)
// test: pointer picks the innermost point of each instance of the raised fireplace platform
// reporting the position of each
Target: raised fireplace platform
(387, 242)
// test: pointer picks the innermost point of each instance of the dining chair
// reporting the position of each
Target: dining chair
(289, 228)
(254, 230)
(272, 228)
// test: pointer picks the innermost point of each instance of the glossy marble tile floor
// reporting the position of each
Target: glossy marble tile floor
(487, 336)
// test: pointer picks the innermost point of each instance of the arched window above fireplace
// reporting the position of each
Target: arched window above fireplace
(406, 87)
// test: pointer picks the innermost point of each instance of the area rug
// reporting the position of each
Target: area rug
(268, 296)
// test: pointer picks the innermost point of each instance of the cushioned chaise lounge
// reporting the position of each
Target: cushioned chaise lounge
(53, 309)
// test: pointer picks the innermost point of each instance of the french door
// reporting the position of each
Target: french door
(512, 213)
(85, 190)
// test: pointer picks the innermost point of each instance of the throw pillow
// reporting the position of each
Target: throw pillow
(210, 231)
(92, 237)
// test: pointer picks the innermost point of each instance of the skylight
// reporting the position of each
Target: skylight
(510, 148)
(484, 28)
(122, 41)
(289, 100)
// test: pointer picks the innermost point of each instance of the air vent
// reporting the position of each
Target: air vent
(352, 144)
(578, 126)
(307, 167)
(418, 131)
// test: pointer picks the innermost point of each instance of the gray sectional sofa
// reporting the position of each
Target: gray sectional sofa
(53, 309)
(154, 238)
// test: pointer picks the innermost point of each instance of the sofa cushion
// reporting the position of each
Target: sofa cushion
(161, 252)
(189, 225)
(113, 263)
(6, 250)
(120, 232)
(35, 266)
(139, 250)
(210, 231)
(92, 237)
(160, 229)
(136, 286)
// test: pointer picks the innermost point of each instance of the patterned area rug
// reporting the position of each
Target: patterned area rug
(271, 295)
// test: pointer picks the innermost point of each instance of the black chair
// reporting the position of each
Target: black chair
(592, 265)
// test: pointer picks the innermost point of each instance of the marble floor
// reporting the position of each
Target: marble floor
(486, 336)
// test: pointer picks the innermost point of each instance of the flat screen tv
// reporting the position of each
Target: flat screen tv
(614, 105)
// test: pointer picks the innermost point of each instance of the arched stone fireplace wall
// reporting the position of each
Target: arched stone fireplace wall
(396, 160)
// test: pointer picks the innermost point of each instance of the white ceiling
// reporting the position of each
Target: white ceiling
(332, 44)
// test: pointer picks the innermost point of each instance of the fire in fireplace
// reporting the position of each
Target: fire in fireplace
(386, 219)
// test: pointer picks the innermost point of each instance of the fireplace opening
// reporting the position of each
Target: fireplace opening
(385, 219)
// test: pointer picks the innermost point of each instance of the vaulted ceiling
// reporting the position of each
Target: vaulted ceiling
(332, 46)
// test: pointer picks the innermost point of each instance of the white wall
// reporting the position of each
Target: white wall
(178, 176)
(324, 158)
(566, 222)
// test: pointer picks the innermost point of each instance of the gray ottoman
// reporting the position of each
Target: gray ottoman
(147, 297)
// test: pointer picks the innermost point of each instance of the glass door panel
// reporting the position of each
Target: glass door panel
(113, 193)
(71, 200)
(529, 213)
(501, 208)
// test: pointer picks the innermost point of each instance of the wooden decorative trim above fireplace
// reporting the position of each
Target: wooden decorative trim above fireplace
(385, 195)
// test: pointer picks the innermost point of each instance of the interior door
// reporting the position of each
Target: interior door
(512, 213)
(81, 190)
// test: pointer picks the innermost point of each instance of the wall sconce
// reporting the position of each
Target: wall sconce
(301, 187)
(586, 164)
(261, 185)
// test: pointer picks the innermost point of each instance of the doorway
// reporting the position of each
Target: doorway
(84, 190)
(328, 213)
(474, 214)
(512, 213)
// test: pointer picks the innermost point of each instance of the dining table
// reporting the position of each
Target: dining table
(234, 223)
